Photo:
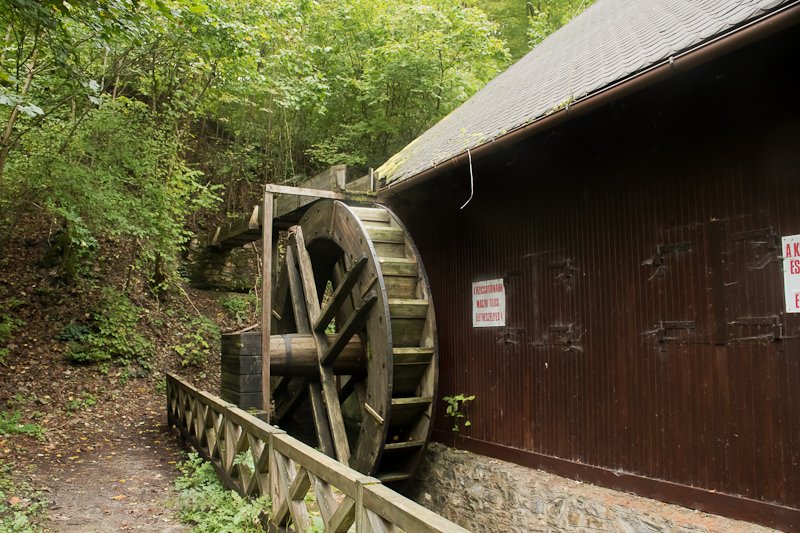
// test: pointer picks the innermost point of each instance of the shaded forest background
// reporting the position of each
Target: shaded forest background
(128, 129)
(132, 120)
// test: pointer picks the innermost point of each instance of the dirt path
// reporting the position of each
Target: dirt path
(124, 485)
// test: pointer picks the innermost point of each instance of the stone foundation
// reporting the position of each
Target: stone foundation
(485, 494)
(233, 270)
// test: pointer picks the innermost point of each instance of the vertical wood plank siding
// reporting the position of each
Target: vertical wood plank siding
(640, 249)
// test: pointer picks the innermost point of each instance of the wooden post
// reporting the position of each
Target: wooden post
(266, 301)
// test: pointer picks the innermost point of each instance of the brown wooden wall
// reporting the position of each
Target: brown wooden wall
(640, 248)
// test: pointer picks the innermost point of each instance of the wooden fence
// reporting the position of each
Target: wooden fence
(255, 459)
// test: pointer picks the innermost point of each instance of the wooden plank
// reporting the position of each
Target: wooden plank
(385, 234)
(266, 303)
(399, 266)
(377, 523)
(320, 420)
(296, 289)
(344, 516)
(293, 484)
(413, 308)
(281, 293)
(404, 513)
(304, 191)
(326, 500)
(327, 468)
(238, 232)
(340, 294)
(327, 379)
(393, 446)
(353, 324)
(332, 179)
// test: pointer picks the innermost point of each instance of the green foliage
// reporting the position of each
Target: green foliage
(203, 336)
(207, 505)
(20, 505)
(84, 401)
(546, 16)
(242, 308)
(73, 332)
(113, 335)
(11, 424)
(455, 409)
(112, 112)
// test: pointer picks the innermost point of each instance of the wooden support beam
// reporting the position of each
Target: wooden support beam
(303, 191)
(354, 323)
(327, 379)
(340, 294)
(266, 302)
(320, 420)
(332, 179)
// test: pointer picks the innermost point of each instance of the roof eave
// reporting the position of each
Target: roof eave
(755, 30)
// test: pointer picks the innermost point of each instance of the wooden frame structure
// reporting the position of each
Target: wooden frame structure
(286, 470)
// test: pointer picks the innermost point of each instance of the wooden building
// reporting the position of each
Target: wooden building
(632, 182)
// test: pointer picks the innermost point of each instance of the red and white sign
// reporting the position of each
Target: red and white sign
(791, 272)
(488, 303)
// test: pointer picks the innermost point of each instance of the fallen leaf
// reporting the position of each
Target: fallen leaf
(119, 497)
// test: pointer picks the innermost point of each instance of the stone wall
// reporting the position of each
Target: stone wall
(233, 270)
(485, 494)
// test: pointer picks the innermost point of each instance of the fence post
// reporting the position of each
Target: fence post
(361, 516)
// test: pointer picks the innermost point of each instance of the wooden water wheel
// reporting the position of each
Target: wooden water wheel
(353, 283)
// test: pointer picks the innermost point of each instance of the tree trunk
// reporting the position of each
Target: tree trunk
(5, 142)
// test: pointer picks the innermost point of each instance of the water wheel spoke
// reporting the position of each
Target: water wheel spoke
(340, 295)
(296, 291)
(353, 324)
(321, 425)
(327, 379)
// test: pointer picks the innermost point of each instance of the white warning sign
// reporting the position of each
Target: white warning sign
(488, 303)
(791, 272)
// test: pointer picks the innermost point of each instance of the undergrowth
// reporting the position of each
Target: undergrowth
(206, 505)
(111, 334)
(196, 344)
(11, 424)
(20, 505)
(243, 308)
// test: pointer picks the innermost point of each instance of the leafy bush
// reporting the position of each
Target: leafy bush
(73, 332)
(240, 307)
(113, 335)
(207, 505)
(11, 424)
(194, 348)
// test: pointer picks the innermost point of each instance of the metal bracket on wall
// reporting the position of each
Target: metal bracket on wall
(765, 247)
(509, 336)
(773, 324)
(662, 332)
(658, 261)
(566, 272)
(563, 336)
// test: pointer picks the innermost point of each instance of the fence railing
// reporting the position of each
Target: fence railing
(255, 459)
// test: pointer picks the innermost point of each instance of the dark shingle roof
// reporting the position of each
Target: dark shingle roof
(612, 40)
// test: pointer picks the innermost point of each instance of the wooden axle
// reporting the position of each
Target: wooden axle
(294, 354)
